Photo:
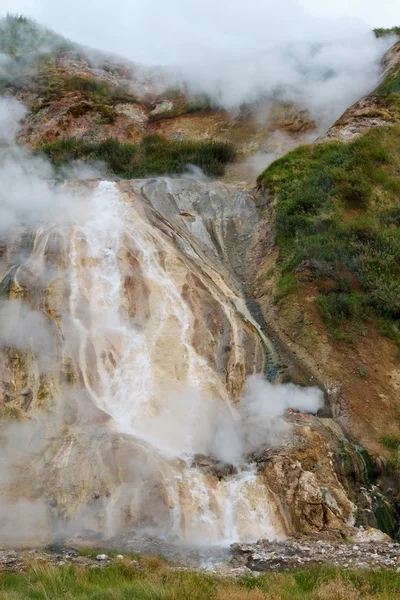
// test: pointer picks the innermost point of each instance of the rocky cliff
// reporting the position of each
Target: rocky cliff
(133, 316)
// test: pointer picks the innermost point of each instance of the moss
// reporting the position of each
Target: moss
(337, 220)
(183, 105)
(12, 412)
(286, 285)
(44, 392)
(154, 156)
(385, 516)
(7, 282)
(68, 373)
(370, 472)
(98, 94)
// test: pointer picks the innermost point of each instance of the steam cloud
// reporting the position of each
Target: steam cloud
(26, 329)
(235, 51)
(192, 424)
(28, 196)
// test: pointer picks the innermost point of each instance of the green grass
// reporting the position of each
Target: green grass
(154, 156)
(391, 86)
(123, 581)
(337, 220)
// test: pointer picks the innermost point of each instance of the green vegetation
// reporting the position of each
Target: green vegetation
(392, 443)
(97, 91)
(391, 85)
(384, 32)
(153, 156)
(152, 580)
(337, 219)
(21, 37)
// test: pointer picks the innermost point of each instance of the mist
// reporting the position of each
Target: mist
(192, 423)
(236, 52)
(27, 329)
(29, 194)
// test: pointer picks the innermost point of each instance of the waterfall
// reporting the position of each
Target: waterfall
(148, 376)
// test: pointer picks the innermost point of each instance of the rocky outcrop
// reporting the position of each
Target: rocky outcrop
(372, 111)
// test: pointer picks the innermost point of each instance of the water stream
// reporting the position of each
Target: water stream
(149, 377)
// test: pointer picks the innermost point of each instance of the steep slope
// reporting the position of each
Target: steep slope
(336, 280)
(76, 93)
(134, 313)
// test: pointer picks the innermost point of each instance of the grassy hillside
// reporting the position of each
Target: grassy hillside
(157, 582)
(338, 223)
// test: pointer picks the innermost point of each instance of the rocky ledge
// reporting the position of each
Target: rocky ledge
(292, 553)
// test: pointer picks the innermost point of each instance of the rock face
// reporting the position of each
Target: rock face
(144, 309)
(142, 302)
(151, 342)
(369, 112)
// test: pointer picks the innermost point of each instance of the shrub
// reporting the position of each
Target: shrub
(383, 32)
(154, 156)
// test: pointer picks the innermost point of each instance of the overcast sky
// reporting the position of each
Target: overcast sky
(377, 13)
(382, 13)
(163, 30)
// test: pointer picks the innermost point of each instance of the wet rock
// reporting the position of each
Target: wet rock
(212, 466)
(365, 536)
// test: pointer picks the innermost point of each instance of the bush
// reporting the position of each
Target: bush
(154, 156)
(383, 32)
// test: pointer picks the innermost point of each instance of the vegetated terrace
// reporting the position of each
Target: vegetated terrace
(153, 156)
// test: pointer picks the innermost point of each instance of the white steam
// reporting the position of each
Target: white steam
(234, 50)
(28, 196)
(190, 424)
(27, 329)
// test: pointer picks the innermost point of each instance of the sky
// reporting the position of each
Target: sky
(321, 54)
(119, 25)
(382, 13)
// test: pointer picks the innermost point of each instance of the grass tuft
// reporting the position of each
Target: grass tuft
(124, 580)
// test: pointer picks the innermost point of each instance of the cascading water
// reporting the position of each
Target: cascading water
(149, 377)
